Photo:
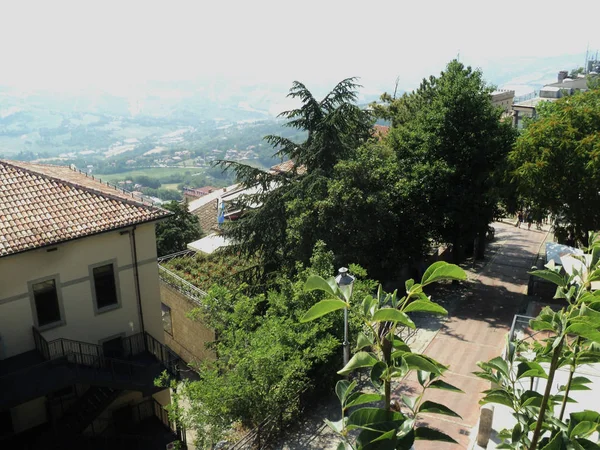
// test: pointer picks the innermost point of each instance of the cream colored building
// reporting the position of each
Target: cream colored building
(503, 98)
(81, 333)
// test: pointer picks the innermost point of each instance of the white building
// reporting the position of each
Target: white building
(81, 334)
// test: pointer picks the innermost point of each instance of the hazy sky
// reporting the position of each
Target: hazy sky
(118, 45)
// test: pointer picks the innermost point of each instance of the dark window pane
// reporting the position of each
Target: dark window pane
(104, 283)
(46, 302)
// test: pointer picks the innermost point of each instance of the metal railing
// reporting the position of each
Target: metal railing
(522, 98)
(179, 284)
(93, 355)
(60, 347)
(181, 254)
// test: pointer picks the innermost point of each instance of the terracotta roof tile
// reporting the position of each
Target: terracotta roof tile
(287, 166)
(43, 205)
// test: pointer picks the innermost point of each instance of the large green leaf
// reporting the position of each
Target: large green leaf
(317, 283)
(437, 408)
(377, 371)
(499, 364)
(586, 444)
(583, 416)
(422, 306)
(363, 417)
(441, 270)
(541, 325)
(531, 398)
(393, 315)
(363, 341)
(420, 362)
(343, 388)
(497, 396)
(322, 308)
(441, 384)
(550, 275)
(530, 369)
(577, 384)
(556, 443)
(335, 426)
(583, 429)
(584, 330)
(361, 399)
(360, 359)
(430, 434)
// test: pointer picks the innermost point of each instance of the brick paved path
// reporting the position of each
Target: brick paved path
(480, 315)
(477, 328)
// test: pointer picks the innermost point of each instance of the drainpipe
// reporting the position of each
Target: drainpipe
(137, 281)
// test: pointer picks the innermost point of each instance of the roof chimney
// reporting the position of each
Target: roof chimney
(562, 75)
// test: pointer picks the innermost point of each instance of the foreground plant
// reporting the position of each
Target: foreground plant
(390, 425)
(572, 340)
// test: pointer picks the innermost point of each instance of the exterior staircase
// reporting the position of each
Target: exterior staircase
(79, 416)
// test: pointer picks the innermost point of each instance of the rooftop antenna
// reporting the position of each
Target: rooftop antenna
(586, 57)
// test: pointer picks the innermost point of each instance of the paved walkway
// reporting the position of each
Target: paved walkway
(477, 328)
(480, 315)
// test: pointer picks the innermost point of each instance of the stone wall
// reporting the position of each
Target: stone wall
(188, 336)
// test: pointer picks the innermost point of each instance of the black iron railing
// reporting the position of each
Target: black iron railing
(92, 355)
(60, 347)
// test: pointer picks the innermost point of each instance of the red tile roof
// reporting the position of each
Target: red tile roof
(43, 205)
(381, 130)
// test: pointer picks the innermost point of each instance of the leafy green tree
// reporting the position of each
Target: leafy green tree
(280, 202)
(386, 357)
(147, 181)
(369, 215)
(556, 162)
(265, 356)
(451, 144)
(575, 72)
(174, 233)
(571, 339)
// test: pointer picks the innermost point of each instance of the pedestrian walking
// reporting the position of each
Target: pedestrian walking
(519, 219)
(529, 220)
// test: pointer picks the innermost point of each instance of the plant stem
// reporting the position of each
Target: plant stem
(571, 373)
(544, 405)
(386, 350)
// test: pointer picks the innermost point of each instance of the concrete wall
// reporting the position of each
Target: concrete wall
(503, 99)
(70, 262)
(29, 414)
(189, 336)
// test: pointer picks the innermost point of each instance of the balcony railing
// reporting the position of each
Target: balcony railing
(68, 362)
(92, 355)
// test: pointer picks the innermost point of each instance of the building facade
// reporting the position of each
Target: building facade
(81, 334)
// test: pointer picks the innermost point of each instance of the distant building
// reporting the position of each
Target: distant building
(503, 98)
(208, 206)
(526, 108)
(194, 193)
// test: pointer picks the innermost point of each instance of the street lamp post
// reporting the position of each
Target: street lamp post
(345, 279)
